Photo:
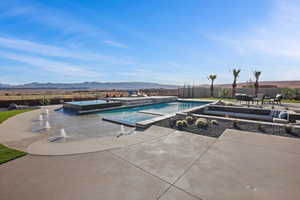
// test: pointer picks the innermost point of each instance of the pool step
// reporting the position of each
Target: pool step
(119, 121)
(151, 113)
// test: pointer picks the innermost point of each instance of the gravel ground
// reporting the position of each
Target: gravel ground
(217, 130)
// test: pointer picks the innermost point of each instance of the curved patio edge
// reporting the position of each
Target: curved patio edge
(19, 127)
(43, 147)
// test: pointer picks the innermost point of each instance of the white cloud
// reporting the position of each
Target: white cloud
(53, 51)
(115, 44)
(51, 65)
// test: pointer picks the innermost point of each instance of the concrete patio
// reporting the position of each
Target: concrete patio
(179, 165)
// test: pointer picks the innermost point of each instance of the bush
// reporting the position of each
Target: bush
(179, 124)
(189, 120)
(289, 93)
(201, 123)
(184, 123)
(45, 101)
(225, 93)
(214, 122)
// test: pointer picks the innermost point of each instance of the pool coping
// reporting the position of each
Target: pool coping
(119, 121)
(173, 98)
(160, 116)
(149, 122)
(137, 105)
(151, 113)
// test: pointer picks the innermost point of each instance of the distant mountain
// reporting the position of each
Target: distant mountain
(136, 85)
(4, 85)
(90, 85)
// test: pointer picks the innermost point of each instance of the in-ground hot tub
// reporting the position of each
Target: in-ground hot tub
(259, 114)
(131, 101)
(94, 105)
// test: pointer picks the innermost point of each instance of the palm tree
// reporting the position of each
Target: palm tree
(256, 84)
(212, 77)
(235, 73)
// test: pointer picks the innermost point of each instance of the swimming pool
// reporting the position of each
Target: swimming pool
(134, 115)
(91, 102)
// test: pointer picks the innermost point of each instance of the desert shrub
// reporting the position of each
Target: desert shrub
(201, 123)
(189, 120)
(225, 93)
(289, 93)
(45, 101)
(179, 124)
(184, 123)
(214, 122)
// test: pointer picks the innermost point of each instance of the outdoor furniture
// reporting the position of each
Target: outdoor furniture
(277, 99)
(244, 97)
(293, 117)
(280, 121)
(260, 97)
(12, 106)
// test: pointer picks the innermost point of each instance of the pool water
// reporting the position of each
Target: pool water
(133, 115)
(83, 103)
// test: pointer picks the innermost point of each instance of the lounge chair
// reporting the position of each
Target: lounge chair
(277, 99)
(260, 97)
(244, 97)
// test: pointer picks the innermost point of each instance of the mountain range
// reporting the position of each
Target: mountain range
(90, 85)
(136, 85)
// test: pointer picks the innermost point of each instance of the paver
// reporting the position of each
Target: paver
(175, 194)
(160, 162)
(84, 176)
(235, 170)
(167, 157)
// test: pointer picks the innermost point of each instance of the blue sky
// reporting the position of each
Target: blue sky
(165, 41)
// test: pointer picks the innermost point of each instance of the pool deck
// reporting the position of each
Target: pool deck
(169, 164)
(44, 147)
(17, 132)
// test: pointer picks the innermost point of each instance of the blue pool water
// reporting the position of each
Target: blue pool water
(83, 103)
(133, 115)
